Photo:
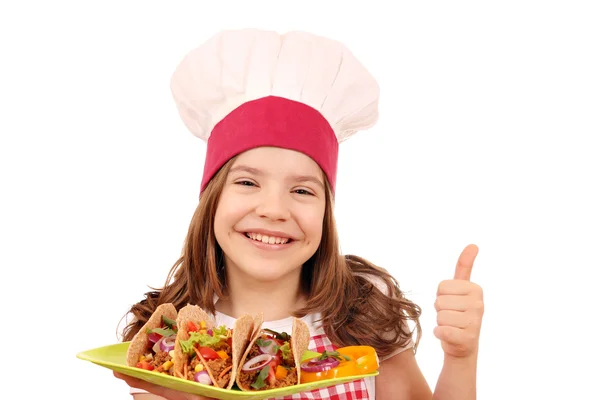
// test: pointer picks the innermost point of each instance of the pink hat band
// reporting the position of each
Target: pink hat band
(272, 121)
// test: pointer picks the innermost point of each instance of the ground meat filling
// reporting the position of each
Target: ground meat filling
(216, 367)
(290, 380)
(191, 372)
(247, 378)
(159, 359)
(254, 351)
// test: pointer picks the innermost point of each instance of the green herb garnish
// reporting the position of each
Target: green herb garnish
(281, 336)
(163, 331)
(169, 322)
(259, 383)
(334, 354)
(260, 342)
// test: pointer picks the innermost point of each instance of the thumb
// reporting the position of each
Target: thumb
(464, 266)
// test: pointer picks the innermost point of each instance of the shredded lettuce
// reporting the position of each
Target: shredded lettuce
(286, 351)
(204, 339)
(220, 331)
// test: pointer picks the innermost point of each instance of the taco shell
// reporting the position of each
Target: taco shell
(299, 341)
(140, 344)
(241, 336)
(186, 314)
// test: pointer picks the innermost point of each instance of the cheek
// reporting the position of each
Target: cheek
(313, 226)
(229, 212)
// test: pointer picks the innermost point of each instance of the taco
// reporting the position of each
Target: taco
(152, 347)
(206, 353)
(272, 360)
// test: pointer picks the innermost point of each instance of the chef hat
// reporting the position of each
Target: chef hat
(249, 88)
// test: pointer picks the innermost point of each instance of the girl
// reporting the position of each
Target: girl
(263, 238)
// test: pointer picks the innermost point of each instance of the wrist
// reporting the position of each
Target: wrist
(470, 360)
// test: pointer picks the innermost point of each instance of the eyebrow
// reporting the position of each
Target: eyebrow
(295, 178)
(245, 168)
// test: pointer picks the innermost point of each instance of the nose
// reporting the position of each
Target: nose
(273, 206)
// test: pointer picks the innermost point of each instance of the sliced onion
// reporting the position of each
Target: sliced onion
(156, 347)
(270, 348)
(316, 365)
(262, 359)
(203, 378)
(168, 343)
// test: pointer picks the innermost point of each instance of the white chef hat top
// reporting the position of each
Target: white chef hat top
(308, 91)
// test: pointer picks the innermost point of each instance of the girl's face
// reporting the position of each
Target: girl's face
(269, 219)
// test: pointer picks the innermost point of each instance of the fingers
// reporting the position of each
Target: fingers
(167, 393)
(459, 306)
(458, 287)
(457, 319)
(464, 266)
(452, 303)
(141, 384)
(454, 336)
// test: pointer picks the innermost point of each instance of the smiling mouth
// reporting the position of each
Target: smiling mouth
(267, 239)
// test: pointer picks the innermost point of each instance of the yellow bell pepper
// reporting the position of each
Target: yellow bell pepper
(280, 372)
(366, 358)
(354, 360)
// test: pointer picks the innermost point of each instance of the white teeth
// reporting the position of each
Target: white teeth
(267, 239)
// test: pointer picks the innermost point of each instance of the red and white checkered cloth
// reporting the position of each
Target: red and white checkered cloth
(348, 391)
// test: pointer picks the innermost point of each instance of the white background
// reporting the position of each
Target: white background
(487, 135)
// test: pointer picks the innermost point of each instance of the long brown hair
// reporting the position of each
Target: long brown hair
(353, 310)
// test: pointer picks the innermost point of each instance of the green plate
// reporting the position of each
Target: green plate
(113, 357)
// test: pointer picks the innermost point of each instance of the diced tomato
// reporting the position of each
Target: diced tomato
(273, 365)
(229, 341)
(208, 354)
(276, 359)
(273, 338)
(154, 337)
(272, 378)
(145, 365)
(192, 327)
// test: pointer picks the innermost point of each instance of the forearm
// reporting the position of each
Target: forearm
(457, 380)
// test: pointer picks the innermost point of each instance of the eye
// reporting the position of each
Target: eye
(245, 183)
(303, 192)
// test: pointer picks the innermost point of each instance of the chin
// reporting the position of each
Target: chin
(264, 270)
